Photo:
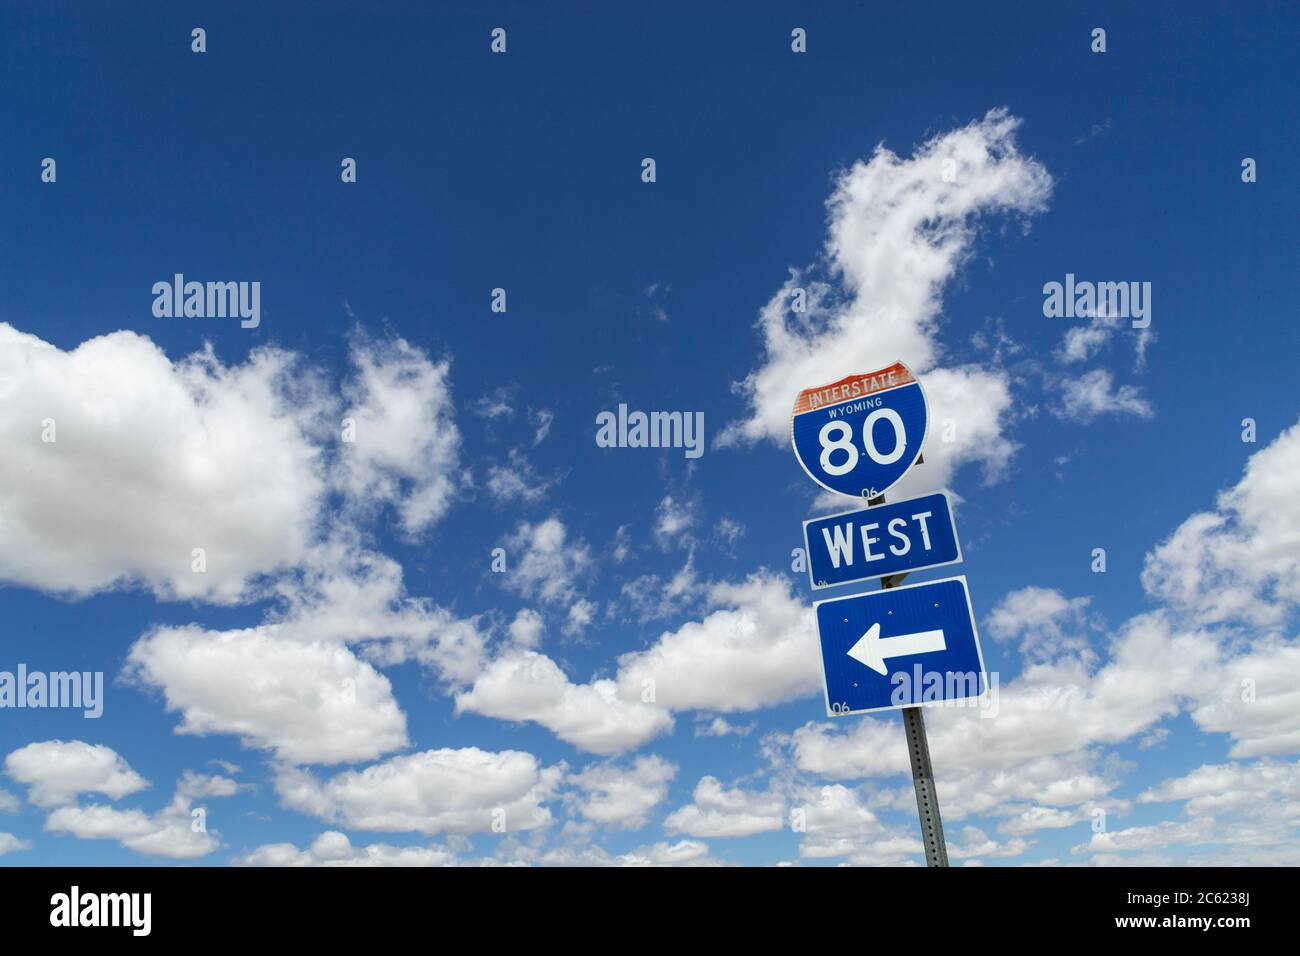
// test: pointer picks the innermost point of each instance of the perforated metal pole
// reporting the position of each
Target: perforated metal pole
(927, 799)
(918, 749)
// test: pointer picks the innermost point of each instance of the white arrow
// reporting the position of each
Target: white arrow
(872, 651)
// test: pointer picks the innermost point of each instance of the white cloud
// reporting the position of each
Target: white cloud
(835, 822)
(1255, 697)
(681, 853)
(516, 481)
(757, 650)
(1239, 563)
(526, 629)
(1044, 621)
(1035, 818)
(435, 791)
(347, 594)
(689, 853)
(899, 231)
(581, 613)
(333, 849)
(542, 563)
(543, 418)
(171, 832)
(1092, 394)
(307, 702)
(525, 685)
(168, 834)
(1233, 787)
(674, 519)
(975, 843)
(499, 403)
(153, 459)
(406, 448)
(717, 811)
(57, 771)
(12, 844)
(721, 727)
(622, 544)
(1248, 810)
(651, 598)
(194, 454)
(1156, 837)
(611, 795)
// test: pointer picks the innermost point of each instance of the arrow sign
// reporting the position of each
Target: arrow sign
(872, 651)
(882, 540)
(900, 647)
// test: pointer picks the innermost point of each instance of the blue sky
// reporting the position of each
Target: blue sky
(370, 561)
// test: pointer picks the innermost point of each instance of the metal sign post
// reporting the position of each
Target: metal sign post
(918, 749)
(858, 437)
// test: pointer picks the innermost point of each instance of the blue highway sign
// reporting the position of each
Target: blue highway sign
(900, 647)
(882, 540)
(860, 435)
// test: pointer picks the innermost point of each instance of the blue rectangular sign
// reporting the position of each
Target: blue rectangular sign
(900, 647)
(882, 540)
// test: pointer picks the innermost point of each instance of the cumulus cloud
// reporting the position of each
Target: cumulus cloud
(623, 797)
(689, 853)
(351, 595)
(150, 459)
(759, 648)
(235, 460)
(674, 519)
(1255, 698)
(57, 771)
(12, 844)
(835, 822)
(526, 629)
(171, 832)
(544, 563)
(435, 791)
(720, 727)
(718, 811)
(1240, 562)
(406, 444)
(1043, 620)
(1088, 396)
(333, 849)
(651, 597)
(1231, 787)
(306, 702)
(900, 228)
(516, 481)
(526, 685)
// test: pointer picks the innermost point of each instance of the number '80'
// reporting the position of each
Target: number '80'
(843, 441)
